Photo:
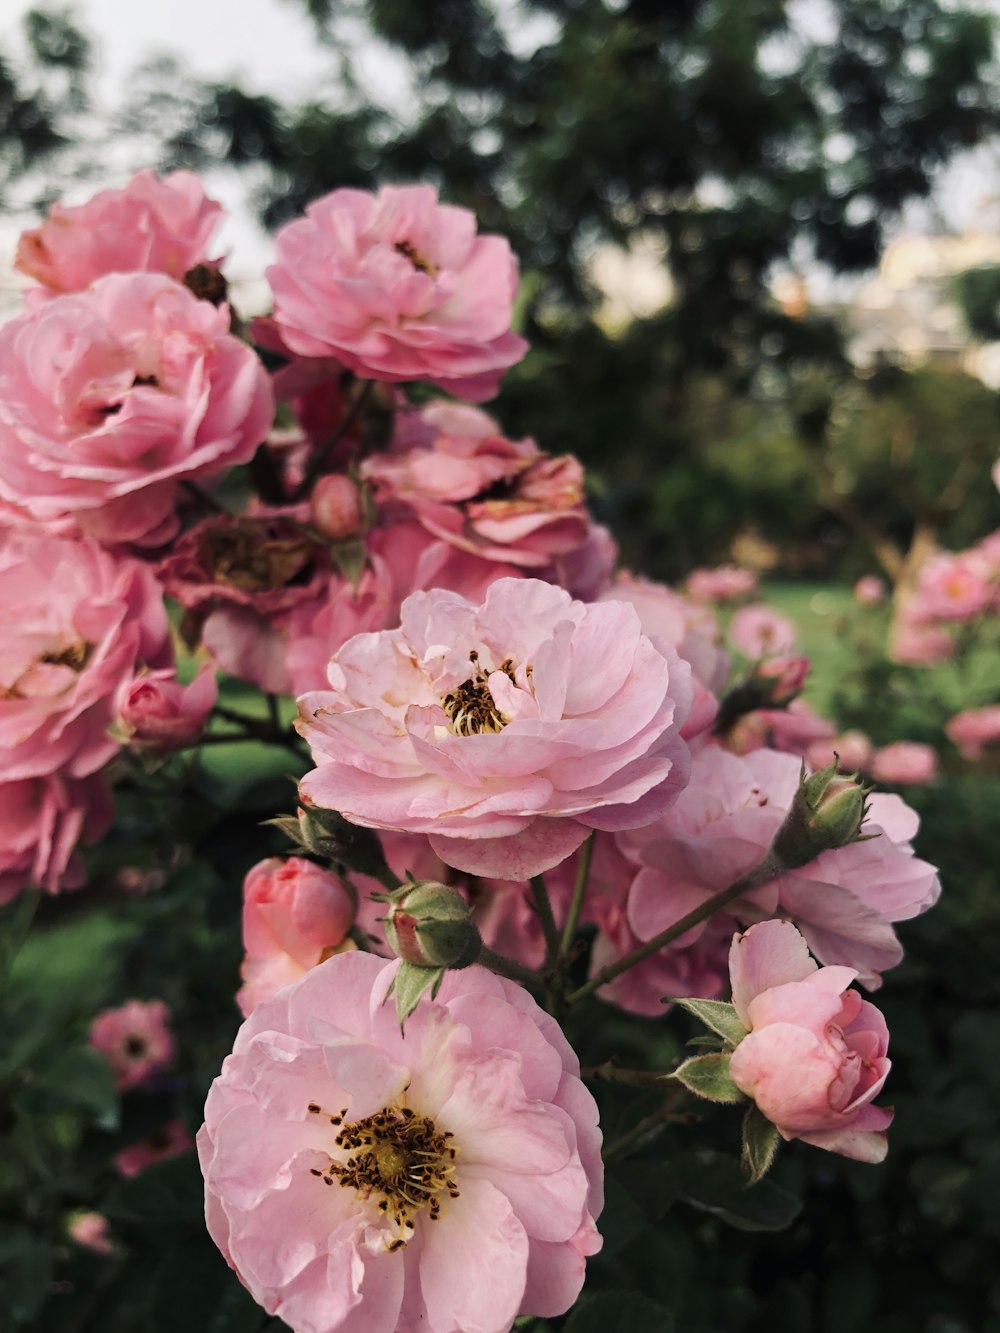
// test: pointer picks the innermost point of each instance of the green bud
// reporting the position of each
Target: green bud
(430, 925)
(328, 834)
(828, 811)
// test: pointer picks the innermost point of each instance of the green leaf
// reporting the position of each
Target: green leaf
(719, 1016)
(79, 1079)
(14, 925)
(25, 1272)
(760, 1143)
(714, 1183)
(409, 985)
(708, 1076)
(619, 1312)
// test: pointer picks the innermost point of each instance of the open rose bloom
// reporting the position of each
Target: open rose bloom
(364, 1181)
(507, 731)
(815, 1057)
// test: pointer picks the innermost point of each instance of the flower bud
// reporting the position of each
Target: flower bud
(827, 811)
(327, 833)
(785, 677)
(337, 509)
(430, 925)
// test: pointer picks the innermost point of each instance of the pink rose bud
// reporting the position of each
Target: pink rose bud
(157, 712)
(869, 590)
(430, 925)
(295, 914)
(904, 763)
(91, 1231)
(827, 811)
(815, 1055)
(337, 510)
(135, 1039)
(786, 676)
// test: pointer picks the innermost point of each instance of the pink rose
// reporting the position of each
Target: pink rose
(315, 630)
(786, 676)
(172, 1140)
(135, 1039)
(852, 749)
(42, 820)
(975, 730)
(793, 729)
(497, 498)
(156, 712)
(952, 588)
(112, 397)
(904, 763)
(398, 287)
(870, 590)
(80, 623)
(295, 913)
(815, 1056)
(151, 225)
(919, 645)
(506, 731)
(758, 631)
(727, 583)
(473, 1200)
(844, 901)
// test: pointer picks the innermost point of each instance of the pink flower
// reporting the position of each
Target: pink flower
(506, 731)
(152, 225)
(42, 820)
(793, 729)
(79, 623)
(156, 712)
(844, 901)
(870, 590)
(473, 1200)
(815, 1056)
(111, 397)
(903, 763)
(398, 287)
(91, 1231)
(135, 1039)
(787, 676)
(975, 730)
(917, 645)
(952, 588)
(172, 1140)
(852, 749)
(336, 508)
(315, 630)
(758, 631)
(727, 583)
(295, 913)
(497, 498)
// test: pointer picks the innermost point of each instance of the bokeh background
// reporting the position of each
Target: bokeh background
(760, 248)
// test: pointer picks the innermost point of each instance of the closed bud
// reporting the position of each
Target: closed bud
(430, 925)
(828, 811)
(784, 678)
(327, 833)
(337, 508)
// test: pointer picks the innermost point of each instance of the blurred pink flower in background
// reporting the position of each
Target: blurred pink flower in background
(951, 588)
(150, 225)
(851, 749)
(42, 820)
(135, 1039)
(903, 763)
(815, 1056)
(90, 1230)
(397, 286)
(79, 624)
(155, 711)
(295, 913)
(918, 644)
(506, 731)
(114, 396)
(760, 631)
(483, 1092)
(975, 730)
(171, 1140)
(870, 590)
(727, 583)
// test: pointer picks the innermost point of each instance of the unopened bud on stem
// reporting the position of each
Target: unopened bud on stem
(828, 811)
(430, 925)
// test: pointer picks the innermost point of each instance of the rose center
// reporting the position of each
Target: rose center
(75, 655)
(471, 707)
(422, 265)
(399, 1158)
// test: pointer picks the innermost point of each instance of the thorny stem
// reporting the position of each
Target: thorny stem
(543, 906)
(768, 868)
(612, 1072)
(579, 891)
(254, 728)
(510, 967)
(320, 459)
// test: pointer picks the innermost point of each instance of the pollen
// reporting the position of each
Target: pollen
(398, 1159)
(471, 707)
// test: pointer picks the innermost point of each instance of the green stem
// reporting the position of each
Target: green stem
(612, 1072)
(768, 868)
(510, 968)
(543, 906)
(320, 459)
(579, 892)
